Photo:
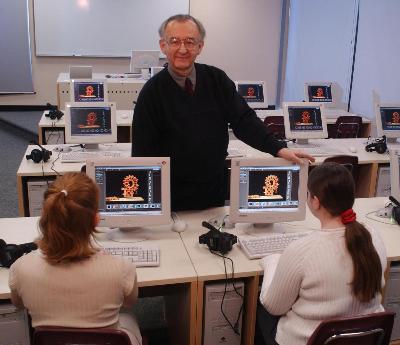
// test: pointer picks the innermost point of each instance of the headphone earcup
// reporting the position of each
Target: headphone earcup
(396, 214)
(46, 155)
(370, 147)
(9, 254)
(381, 148)
(36, 155)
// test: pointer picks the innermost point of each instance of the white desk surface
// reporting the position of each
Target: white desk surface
(364, 157)
(64, 77)
(29, 168)
(211, 267)
(124, 118)
(175, 265)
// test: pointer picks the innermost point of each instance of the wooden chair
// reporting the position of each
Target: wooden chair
(370, 329)
(350, 162)
(275, 125)
(348, 126)
(50, 335)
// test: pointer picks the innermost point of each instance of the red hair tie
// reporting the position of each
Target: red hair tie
(348, 216)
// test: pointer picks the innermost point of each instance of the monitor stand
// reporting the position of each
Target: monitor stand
(91, 147)
(262, 229)
(126, 235)
(391, 140)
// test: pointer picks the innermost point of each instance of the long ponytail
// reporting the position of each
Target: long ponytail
(334, 186)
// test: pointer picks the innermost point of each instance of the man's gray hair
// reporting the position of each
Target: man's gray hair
(182, 18)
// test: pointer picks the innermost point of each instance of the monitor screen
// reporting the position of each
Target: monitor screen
(90, 123)
(253, 92)
(388, 120)
(394, 172)
(304, 121)
(88, 91)
(319, 93)
(267, 190)
(133, 192)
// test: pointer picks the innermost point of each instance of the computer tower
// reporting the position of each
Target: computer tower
(392, 297)
(14, 328)
(216, 329)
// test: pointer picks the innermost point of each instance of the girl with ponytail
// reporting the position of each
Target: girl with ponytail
(69, 282)
(337, 271)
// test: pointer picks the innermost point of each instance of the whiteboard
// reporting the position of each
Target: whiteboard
(100, 27)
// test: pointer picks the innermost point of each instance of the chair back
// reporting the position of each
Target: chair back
(370, 329)
(49, 335)
(349, 162)
(348, 126)
(276, 126)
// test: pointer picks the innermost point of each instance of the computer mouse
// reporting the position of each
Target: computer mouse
(124, 116)
(179, 226)
(352, 149)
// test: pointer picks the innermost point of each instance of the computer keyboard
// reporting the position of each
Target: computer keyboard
(319, 151)
(82, 156)
(140, 255)
(258, 247)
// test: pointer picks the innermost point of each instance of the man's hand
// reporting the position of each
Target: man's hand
(295, 156)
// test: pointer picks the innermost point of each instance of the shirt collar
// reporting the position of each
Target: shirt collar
(181, 80)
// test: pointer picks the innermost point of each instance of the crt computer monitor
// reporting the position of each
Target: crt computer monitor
(133, 192)
(304, 120)
(142, 59)
(90, 123)
(319, 92)
(267, 190)
(88, 90)
(388, 120)
(254, 93)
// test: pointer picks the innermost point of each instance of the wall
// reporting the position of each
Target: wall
(242, 38)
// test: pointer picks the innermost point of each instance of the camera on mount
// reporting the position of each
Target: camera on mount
(216, 240)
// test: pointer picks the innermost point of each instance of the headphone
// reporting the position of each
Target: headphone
(395, 209)
(379, 145)
(38, 155)
(9, 253)
(216, 240)
(54, 113)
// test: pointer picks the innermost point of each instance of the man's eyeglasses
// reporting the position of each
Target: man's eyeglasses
(189, 43)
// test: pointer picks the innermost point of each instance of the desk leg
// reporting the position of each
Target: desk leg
(199, 312)
(180, 305)
(20, 191)
(250, 310)
(367, 176)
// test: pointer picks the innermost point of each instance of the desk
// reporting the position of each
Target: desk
(331, 117)
(368, 161)
(368, 165)
(30, 171)
(184, 260)
(175, 278)
(52, 131)
(123, 91)
(210, 268)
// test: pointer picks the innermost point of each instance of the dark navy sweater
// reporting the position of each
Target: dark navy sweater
(193, 131)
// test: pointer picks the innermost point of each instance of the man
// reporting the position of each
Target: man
(184, 111)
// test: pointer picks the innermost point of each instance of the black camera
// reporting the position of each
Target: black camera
(216, 240)
(9, 253)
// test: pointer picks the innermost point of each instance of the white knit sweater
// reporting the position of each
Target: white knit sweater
(311, 283)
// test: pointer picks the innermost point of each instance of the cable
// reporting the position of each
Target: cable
(235, 326)
(390, 222)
